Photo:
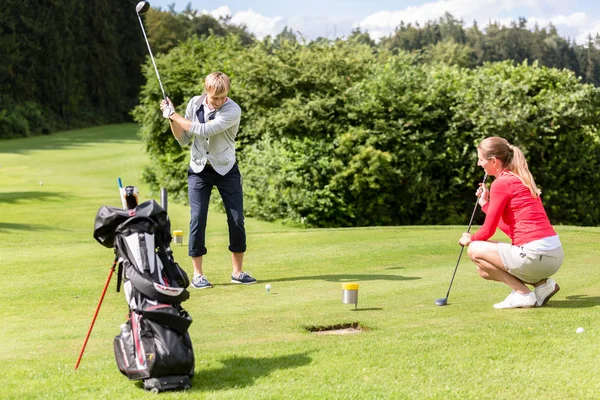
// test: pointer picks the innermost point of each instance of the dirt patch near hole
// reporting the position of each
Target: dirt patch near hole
(339, 329)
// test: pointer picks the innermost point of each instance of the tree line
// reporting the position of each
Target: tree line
(447, 40)
(71, 63)
(444, 40)
(67, 63)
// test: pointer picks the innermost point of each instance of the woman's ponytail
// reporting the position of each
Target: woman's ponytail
(512, 159)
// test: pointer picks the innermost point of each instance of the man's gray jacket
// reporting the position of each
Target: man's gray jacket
(214, 140)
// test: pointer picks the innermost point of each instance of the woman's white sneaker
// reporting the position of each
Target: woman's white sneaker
(517, 300)
(545, 291)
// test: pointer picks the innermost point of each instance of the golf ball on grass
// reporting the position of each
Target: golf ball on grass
(268, 287)
(580, 330)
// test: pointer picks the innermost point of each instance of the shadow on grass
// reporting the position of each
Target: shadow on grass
(348, 278)
(239, 372)
(7, 226)
(575, 301)
(17, 197)
(118, 133)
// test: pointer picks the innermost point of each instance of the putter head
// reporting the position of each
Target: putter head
(142, 7)
(441, 302)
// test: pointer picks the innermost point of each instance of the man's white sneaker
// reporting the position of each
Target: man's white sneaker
(545, 291)
(517, 300)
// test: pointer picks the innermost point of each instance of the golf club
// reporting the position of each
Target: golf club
(141, 8)
(443, 301)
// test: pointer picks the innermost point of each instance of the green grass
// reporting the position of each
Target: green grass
(250, 344)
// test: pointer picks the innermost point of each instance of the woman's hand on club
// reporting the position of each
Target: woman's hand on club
(483, 194)
(465, 239)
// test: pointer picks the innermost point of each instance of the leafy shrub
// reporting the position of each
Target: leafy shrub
(21, 120)
(335, 134)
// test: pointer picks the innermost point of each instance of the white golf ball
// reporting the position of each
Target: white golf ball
(580, 330)
(268, 286)
(41, 183)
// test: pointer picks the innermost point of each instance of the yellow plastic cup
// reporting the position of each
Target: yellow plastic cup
(178, 237)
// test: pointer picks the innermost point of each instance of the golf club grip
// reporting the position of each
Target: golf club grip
(476, 203)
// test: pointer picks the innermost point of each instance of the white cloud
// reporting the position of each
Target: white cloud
(593, 30)
(576, 25)
(574, 20)
(256, 23)
(383, 23)
(308, 27)
(259, 25)
(220, 12)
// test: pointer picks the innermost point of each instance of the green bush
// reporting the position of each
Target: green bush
(554, 118)
(335, 134)
(21, 120)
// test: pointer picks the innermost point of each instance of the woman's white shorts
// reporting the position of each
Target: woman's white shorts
(530, 266)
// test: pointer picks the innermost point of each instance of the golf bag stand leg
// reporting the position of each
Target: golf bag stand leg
(112, 270)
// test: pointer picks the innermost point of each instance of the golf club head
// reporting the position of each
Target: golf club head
(441, 302)
(142, 7)
(131, 197)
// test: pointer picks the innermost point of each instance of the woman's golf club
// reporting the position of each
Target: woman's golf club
(141, 8)
(444, 300)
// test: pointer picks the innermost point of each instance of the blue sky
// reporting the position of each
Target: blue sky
(329, 18)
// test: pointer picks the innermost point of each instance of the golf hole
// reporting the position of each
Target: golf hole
(339, 329)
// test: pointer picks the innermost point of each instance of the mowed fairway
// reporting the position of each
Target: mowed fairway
(254, 345)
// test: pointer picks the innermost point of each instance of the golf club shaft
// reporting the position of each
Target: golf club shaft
(462, 248)
(151, 56)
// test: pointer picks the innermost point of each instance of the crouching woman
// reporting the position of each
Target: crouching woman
(513, 204)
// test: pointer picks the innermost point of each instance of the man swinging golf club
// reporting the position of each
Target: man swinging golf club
(212, 121)
(513, 204)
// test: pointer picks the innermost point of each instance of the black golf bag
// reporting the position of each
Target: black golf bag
(154, 344)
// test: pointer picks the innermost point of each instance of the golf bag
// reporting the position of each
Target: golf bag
(154, 344)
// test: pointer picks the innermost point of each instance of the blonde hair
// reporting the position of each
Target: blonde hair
(217, 84)
(512, 159)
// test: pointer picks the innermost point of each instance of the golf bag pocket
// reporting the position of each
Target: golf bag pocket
(165, 314)
(143, 283)
(147, 349)
(131, 352)
(172, 271)
(174, 352)
(143, 266)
